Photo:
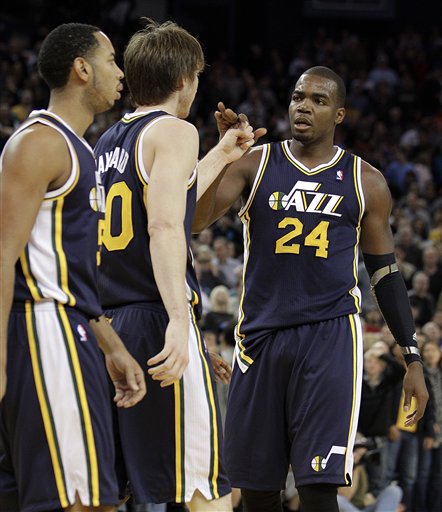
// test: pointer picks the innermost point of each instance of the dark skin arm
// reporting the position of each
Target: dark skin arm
(376, 238)
(233, 179)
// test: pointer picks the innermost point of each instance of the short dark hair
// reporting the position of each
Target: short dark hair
(329, 74)
(61, 47)
(157, 58)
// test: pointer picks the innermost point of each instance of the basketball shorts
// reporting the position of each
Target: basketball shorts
(56, 438)
(171, 441)
(298, 404)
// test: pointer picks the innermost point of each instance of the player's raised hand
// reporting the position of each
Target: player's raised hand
(221, 368)
(170, 363)
(127, 377)
(414, 385)
(227, 118)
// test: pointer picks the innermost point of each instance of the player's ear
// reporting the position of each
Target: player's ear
(82, 69)
(340, 115)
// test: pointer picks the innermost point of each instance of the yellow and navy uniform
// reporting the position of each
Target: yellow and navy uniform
(299, 337)
(171, 442)
(56, 422)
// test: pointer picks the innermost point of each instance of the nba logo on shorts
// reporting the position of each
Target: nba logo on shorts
(82, 332)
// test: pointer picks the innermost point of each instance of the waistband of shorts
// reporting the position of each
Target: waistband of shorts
(157, 307)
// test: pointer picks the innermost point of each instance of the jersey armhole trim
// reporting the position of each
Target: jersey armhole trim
(259, 174)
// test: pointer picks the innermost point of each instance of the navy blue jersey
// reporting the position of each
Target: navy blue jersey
(301, 232)
(126, 273)
(59, 261)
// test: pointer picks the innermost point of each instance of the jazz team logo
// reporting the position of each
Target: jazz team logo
(319, 463)
(305, 197)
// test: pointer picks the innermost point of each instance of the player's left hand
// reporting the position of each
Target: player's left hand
(414, 385)
(127, 377)
(221, 368)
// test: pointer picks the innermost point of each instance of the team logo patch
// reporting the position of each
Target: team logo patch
(82, 332)
(340, 175)
(319, 463)
(277, 201)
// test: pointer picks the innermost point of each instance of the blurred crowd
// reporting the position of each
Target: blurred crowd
(394, 121)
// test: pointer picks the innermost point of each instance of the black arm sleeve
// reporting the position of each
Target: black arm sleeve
(391, 295)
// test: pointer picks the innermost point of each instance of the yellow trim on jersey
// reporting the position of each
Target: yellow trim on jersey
(178, 448)
(358, 234)
(247, 360)
(29, 279)
(58, 229)
(309, 173)
(134, 118)
(255, 187)
(355, 375)
(44, 407)
(137, 167)
(91, 450)
(212, 406)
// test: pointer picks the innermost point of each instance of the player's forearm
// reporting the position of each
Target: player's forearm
(210, 170)
(107, 339)
(168, 254)
(7, 278)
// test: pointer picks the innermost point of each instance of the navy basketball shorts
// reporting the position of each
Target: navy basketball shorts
(171, 441)
(56, 438)
(298, 403)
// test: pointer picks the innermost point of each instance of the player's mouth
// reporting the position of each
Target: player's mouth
(302, 123)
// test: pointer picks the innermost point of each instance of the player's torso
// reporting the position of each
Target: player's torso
(59, 261)
(126, 273)
(301, 230)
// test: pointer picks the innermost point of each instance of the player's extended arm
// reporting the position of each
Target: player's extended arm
(170, 169)
(212, 201)
(126, 374)
(388, 285)
(27, 173)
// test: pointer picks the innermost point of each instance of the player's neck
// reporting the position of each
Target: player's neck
(312, 155)
(73, 113)
(170, 106)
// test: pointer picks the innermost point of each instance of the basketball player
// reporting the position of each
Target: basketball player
(56, 441)
(171, 442)
(307, 205)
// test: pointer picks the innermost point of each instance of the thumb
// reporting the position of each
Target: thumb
(131, 379)
(407, 400)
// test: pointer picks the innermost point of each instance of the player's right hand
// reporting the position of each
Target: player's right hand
(226, 118)
(169, 364)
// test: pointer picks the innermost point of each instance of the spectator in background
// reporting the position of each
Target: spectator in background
(225, 263)
(420, 299)
(381, 380)
(406, 240)
(207, 273)
(428, 485)
(432, 267)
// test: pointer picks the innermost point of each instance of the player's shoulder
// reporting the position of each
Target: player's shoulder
(374, 185)
(37, 139)
(174, 126)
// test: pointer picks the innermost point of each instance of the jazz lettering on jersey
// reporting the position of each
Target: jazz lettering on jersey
(115, 159)
(305, 197)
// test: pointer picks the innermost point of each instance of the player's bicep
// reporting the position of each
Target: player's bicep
(170, 171)
(25, 178)
(376, 235)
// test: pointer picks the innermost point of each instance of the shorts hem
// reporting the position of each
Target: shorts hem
(242, 483)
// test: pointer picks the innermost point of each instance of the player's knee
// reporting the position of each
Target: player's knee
(318, 498)
(261, 501)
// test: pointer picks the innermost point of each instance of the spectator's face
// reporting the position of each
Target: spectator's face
(431, 354)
